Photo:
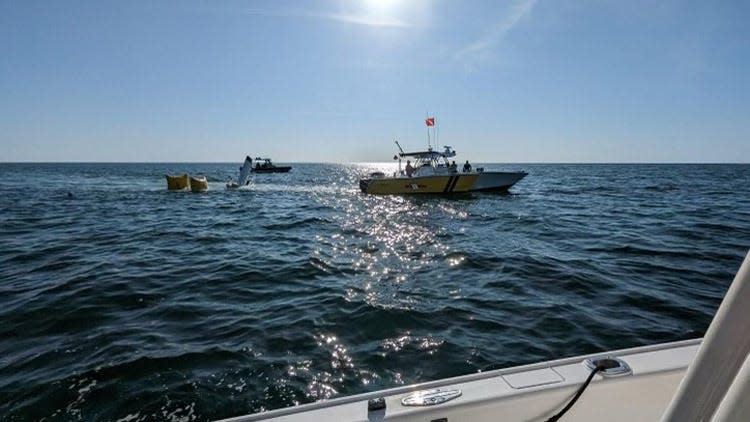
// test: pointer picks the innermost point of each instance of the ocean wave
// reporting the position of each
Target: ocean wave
(131, 303)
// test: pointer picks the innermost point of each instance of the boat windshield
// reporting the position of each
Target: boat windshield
(430, 157)
(266, 161)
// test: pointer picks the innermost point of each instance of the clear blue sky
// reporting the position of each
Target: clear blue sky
(508, 81)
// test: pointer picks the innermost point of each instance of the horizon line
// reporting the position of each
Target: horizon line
(381, 162)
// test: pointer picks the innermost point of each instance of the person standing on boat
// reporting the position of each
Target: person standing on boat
(467, 167)
(409, 168)
(454, 167)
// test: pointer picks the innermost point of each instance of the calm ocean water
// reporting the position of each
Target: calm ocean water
(128, 302)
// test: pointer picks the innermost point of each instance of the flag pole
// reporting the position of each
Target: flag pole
(428, 130)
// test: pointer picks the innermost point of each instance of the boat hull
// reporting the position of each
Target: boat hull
(284, 169)
(496, 181)
(198, 184)
(177, 182)
(438, 184)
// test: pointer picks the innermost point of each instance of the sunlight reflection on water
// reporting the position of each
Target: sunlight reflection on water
(128, 301)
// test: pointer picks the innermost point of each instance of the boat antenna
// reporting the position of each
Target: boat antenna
(399, 146)
(398, 156)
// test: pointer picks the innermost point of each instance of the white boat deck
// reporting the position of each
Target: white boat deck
(526, 393)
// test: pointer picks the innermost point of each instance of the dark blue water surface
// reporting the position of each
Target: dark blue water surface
(129, 302)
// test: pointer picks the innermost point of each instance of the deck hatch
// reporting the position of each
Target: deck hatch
(532, 378)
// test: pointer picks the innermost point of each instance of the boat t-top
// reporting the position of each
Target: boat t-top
(264, 165)
(433, 172)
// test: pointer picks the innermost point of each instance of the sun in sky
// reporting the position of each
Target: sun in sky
(380, 5)
(515, 80)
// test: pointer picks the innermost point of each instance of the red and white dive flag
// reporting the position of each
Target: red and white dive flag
(430, 121)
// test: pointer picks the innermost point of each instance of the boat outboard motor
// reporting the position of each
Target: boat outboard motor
(245, 171)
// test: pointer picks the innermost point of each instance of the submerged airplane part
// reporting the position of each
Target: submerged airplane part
(245, 171)
(244, 177)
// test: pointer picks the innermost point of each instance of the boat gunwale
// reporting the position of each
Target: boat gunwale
(323, 404)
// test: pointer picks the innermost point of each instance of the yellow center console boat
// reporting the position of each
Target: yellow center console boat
(433, 173)
(430, 173)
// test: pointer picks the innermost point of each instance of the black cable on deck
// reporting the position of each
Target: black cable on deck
(578, 394)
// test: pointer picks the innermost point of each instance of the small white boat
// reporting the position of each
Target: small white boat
(244, 176)
(695, 380)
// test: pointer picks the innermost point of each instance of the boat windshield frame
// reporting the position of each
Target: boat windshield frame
(430, 157)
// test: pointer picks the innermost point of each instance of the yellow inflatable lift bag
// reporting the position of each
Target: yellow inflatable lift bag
(177, 182)
(198, 184)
